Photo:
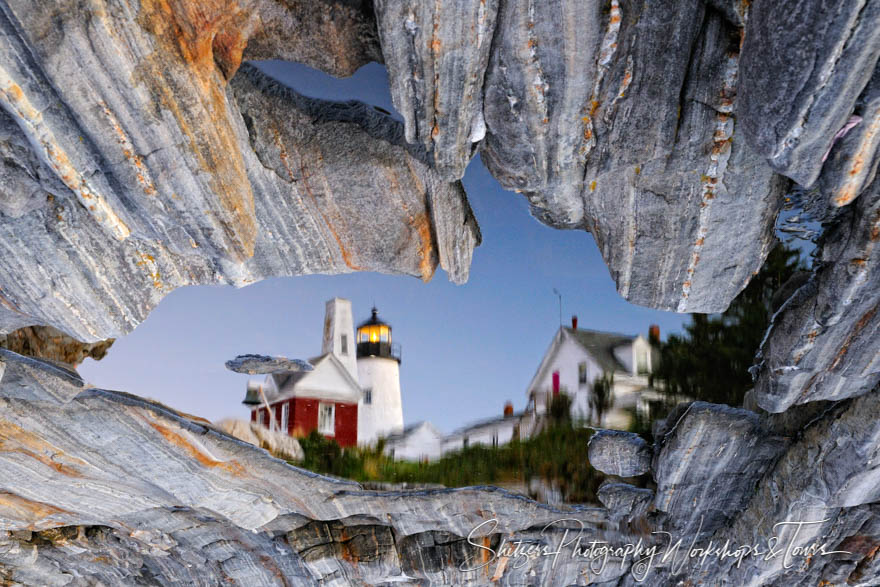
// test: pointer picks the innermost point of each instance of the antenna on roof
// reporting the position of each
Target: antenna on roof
(559, 295)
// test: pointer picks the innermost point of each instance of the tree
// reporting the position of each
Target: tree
(602, 398)
(560, 408)
(711, 360)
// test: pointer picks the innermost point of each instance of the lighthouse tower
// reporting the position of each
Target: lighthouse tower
(380, 411)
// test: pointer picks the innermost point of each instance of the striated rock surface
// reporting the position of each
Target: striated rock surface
(830, 477)
(708, 462)
(436, 54)
(822, 344)
(125, 191)
(805, 65)
(623, 454)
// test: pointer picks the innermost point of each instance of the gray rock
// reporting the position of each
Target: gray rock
(672, 192)
(851, 164)
(436, 53)
(804, 66)
(829, 475)
(539, 84)
(818, 345)
(625, 500)
(262, 364)
(159, 497)
(625, 124)
(619, 453)
(708, 464)
(173, 178)
(37, 379)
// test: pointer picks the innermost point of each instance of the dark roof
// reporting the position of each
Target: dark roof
(374, 319)
(601, 346)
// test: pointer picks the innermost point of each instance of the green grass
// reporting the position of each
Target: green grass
(558, 455)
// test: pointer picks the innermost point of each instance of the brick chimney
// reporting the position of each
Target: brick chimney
(654, 333)
(574, 322)
(508, 409)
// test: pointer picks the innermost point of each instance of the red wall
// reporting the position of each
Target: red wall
(303, 418)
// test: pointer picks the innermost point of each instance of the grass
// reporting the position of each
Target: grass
(557, 455)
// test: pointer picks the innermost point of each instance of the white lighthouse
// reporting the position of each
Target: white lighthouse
(380, 411)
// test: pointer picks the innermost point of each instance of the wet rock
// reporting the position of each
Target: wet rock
(619, 453)
(539, 83)
(669, 176)
(262, 365)
(790, 113)
(625, 500)
(851, 164)
(817, 347)
(708, 464)
(829, 476)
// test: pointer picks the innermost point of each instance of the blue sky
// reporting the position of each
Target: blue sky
(466, 349)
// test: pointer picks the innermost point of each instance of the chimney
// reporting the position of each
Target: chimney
(654, 333)
(508, 409)
(574, 322)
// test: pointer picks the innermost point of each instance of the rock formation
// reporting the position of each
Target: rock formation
(140, 152)
(45, 342)
(262, 365)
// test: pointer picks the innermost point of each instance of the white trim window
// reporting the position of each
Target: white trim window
(327, 419)
(285, 416)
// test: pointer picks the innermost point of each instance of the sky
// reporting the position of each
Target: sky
(466, 349)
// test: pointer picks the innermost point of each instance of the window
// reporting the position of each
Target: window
(327, 419)
(368, 397)
(465, 442)
(365, 337)
(495, 440)
(344, 344)
(285, 416)
(383, 336)
(582, 373)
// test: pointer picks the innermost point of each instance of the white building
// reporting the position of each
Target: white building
(576, 358)
(423, 442)
(492, 432)
(353, 392)
(380, 412)
(419, 442)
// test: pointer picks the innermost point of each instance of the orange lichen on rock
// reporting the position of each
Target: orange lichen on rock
(185, 79)
(16, 507)
(14, 439)
(206, 460)
(426, 247)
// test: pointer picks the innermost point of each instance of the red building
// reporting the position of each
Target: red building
(325, 399)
